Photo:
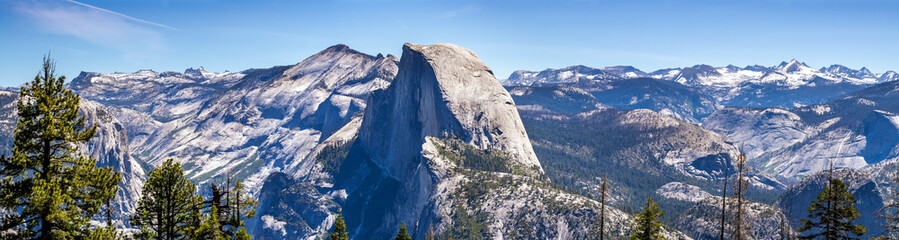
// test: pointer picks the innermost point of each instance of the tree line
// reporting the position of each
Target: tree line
(49, 189)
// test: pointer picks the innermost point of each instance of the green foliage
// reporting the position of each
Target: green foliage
(339, 231)
(332, 156)
(164, 210)
(210, 229)
(103, 233)
(402, 234)
(240, 206)
(647, 226)
(467, 226)
(831, 215)
(54, 188)
(473, 158)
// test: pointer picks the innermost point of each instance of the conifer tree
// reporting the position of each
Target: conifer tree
(240, 206)
(211, 227)
(54, 187)
(164, 209)
(402, 234)
(647, 225)
(340, 232)
(741, 184)
(831, 215)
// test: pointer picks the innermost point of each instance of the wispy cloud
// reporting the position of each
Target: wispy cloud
(136, 38)
(121, 15)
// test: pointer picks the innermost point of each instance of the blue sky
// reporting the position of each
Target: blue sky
(172, 35)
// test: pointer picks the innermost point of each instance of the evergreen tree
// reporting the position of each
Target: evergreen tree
(54, 188)
(648, 226)
(340, 232)
(241, 206)
(402, 234)
(211, 227)
(164, 209)
(103, 233)
(741, 184)
(831, 215)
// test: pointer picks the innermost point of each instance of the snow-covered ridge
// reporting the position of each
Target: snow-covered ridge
(791, 74)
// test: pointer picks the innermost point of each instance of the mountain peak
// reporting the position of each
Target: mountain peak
(793, 66)
(442, 90)
(339, 50)
(195, 72)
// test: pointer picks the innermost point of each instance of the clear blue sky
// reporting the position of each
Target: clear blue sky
(172, 35)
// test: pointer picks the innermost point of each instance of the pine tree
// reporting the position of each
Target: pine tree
(103, 233)
(164, 209)
(402, 234)
(211, 227)
(54, 187)
(832, 214)
(647, 226)
(340, 232)
(741, 184)
(241, 206)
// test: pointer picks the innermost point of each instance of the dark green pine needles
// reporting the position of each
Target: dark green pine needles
(167, 202)
(832, 214)
(402, 234)
(54, 187)
(647, 226)
(340, 232)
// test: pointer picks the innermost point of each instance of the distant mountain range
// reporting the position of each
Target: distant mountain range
(787, 85)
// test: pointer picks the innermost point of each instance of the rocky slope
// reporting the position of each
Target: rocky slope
(703, 219)
(246, 124)
(857, 130)
(639, 151)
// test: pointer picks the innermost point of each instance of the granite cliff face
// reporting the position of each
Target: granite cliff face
(442, 90)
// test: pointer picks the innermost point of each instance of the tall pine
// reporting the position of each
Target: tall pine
(403, 234)
(164, 209)
(831, 215)
(54, 188)
(340, 232)
(240, 206)
(648, 226)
